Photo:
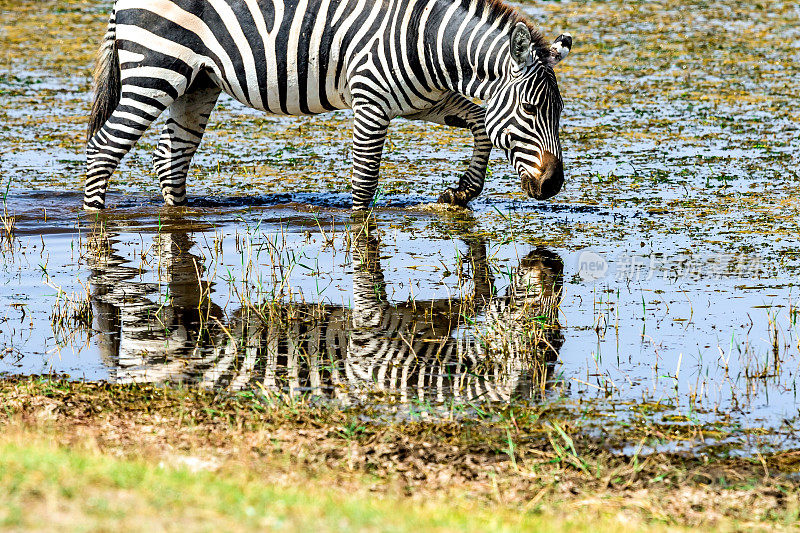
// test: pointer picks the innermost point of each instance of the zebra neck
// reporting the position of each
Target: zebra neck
(470, 52)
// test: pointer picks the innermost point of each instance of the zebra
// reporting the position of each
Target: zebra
(408, 350)
(425, 60)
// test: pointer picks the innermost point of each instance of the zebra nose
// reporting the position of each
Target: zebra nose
(545, 181)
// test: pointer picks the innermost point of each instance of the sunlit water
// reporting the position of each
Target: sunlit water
(425, 311)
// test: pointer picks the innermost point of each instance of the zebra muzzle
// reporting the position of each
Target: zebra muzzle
(546, 181)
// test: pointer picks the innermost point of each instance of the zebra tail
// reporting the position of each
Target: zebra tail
(106, 80)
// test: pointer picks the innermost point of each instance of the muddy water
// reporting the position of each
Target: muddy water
(663, 278)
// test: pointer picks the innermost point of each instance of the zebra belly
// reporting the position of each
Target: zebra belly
(341, 101)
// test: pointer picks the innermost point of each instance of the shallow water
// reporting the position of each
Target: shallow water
(675, 235)
(423, 309)
(234, 300)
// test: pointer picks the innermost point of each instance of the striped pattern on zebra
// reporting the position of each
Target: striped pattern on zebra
(410, 351)
(419, 59)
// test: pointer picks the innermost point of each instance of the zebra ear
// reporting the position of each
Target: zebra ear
(521, 44)
(560, 48)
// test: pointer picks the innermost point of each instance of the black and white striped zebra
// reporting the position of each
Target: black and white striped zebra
(418, 59)
(410, 350)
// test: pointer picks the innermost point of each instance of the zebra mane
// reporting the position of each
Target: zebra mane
(512, 16)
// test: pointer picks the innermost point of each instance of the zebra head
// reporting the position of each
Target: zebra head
(522, 116)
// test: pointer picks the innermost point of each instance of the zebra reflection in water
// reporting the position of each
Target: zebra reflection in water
(150, 331)
(420, 350)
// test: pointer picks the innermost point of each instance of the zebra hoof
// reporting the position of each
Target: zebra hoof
(93, 206)
(173, 203)
(454, 197)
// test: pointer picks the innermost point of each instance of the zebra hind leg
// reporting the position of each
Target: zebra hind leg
(106, 148)
(182, 133)
(457, 111)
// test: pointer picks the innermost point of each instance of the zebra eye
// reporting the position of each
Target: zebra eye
(529, 108)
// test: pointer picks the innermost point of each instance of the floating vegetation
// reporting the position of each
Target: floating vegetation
(71, 313)
(7, 221)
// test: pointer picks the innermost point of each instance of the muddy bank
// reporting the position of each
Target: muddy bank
(531, 459)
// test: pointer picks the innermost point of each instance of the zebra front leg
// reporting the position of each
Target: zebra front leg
(457, 111)
(370, 123)
(471, 183)
(182, 133)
